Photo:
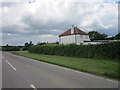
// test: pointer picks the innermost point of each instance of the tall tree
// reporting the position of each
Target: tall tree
(30, 43)
(7, 45)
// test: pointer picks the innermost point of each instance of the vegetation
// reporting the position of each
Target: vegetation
(41, 43)
(17, 48)
(103, 67)
(100, 51)
(11, 48)
(117, 37)
(94, 35)
(27, 45)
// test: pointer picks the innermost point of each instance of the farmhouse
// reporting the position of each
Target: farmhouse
(73, 35)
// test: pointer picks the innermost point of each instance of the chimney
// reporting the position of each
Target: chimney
(72, 29)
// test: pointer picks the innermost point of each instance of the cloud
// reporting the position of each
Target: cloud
(13, 39)
(49, 19)
(8, 4)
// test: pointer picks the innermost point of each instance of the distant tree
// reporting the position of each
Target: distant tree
(94, 35)
(117, 37)
(57, 42)
(30, 43)
(41, 43)
(7, 45)
(26, 44)
(104, 36)
(110, 38)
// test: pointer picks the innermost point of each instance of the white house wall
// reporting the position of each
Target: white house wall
(67, 39)
(86, 38)
(78, 39)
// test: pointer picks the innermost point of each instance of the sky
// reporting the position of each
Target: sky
(45, 20)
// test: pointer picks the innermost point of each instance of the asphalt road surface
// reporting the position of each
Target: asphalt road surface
(22, 72)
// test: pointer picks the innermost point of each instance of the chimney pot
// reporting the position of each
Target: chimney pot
(72, 29)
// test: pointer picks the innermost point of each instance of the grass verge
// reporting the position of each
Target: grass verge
(107, 68)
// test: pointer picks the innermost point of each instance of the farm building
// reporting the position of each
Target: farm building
(73, 35)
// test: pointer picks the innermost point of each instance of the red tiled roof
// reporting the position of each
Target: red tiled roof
(76, 31)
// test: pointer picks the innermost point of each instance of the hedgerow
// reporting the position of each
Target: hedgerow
(107, 50)
(11, 48)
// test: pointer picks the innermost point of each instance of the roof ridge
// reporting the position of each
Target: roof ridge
(76, 31)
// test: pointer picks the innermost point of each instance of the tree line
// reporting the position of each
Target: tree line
(94, 35)
(26, 46)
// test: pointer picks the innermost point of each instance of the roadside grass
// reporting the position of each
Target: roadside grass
(107, 68)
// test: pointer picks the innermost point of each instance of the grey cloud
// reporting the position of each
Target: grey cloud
(8, 4)
(39, 27)
(21, 39)
(13, 29)
(55, 20)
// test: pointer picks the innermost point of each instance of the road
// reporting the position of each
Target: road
(22, 72)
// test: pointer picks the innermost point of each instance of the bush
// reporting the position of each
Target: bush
(11, 48)
(108, 50)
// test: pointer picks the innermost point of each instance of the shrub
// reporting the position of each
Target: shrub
(108, 50)
(11, 48)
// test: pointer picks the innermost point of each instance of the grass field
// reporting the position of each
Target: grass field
(108, 68)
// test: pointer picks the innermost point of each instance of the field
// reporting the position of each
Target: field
(102, 67)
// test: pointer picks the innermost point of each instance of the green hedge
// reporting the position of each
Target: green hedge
(11, 48)
(108, 50)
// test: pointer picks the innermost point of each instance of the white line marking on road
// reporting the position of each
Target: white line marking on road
(32, 86)
(11, 65)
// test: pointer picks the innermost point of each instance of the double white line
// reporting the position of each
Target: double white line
(11, 65)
